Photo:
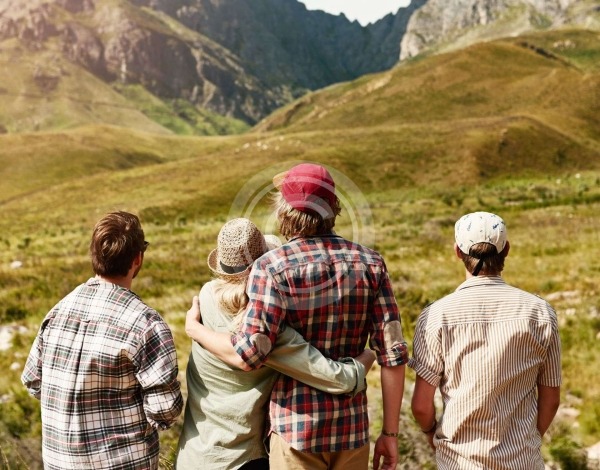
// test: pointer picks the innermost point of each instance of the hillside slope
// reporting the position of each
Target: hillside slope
(513, 107)
(505, 101)
(176, 66)
(108, 47)
(510, 127)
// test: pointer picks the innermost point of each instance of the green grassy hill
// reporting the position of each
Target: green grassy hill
(506, 100)
(497, 127)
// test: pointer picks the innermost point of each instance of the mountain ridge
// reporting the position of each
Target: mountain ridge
(234, 58)
(204, 67)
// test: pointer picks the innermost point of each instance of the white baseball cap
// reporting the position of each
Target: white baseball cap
(480, 227)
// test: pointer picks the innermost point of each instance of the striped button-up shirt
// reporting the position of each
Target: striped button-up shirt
(487, 346)
(337, 294)
(105, 369)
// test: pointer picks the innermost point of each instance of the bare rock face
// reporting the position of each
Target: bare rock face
(118, 43)
(440, 21)
(31, 22)
(144, 56)
(82, 46)
(76, 6)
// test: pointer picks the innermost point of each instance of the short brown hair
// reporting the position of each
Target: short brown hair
(493, 262)
(293, 223)
(117, 239)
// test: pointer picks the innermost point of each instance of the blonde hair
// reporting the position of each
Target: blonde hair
(293, 223)
(231, 297)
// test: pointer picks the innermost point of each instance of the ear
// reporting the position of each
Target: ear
(137, 261)
(457, 252)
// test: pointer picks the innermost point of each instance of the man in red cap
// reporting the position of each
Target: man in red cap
(337, 294)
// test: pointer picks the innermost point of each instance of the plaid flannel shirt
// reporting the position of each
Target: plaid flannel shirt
(105, 369)
(337, 294)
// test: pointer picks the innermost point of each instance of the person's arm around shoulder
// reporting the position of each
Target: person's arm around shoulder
(214, 342)
(156, 363)
(295, 357)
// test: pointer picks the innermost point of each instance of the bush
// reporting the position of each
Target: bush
(568, 454)
(21, 415)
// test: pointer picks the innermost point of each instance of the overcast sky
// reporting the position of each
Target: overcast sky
(365, 11)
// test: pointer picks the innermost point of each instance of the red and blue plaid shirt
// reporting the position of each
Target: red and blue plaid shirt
(104, 366)
(337, 294)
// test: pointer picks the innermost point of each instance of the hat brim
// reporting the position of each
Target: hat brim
(213, 265)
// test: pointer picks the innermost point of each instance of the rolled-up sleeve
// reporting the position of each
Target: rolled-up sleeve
(32, 373)
(550, 372)
(156, 362)
(427, 360)
(387, 339)
(263, 320)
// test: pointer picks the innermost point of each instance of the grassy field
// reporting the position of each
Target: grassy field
(411, 150)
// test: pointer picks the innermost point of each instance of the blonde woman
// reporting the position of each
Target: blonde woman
(224, 423)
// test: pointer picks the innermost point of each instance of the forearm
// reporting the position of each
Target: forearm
(422, 405)
(548, 402)
(295, 357)
(425, 417)
(216, 343)
(392, 389)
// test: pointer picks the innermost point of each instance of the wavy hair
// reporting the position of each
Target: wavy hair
(231, 297)
(116, 240)
(294, 223)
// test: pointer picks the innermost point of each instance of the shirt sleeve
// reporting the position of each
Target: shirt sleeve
(156, 362)
(32, 372)
(295, 357)
(265, 315)
(550, 372)
(387, 339)
(427, 360)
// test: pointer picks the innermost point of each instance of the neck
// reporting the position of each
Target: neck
(122, 281)
(468, 275)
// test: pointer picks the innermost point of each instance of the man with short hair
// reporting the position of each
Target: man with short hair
(104, 363)
(494, 352)
(338, 295)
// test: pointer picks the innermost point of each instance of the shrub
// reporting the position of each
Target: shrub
(568, 454)
(21, 414)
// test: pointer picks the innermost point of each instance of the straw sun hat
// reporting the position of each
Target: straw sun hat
(239, 243)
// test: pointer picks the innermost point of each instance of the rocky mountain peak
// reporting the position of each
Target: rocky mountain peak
(440, 22)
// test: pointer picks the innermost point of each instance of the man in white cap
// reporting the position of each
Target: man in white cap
(494, 352)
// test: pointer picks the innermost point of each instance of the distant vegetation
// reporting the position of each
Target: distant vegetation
(497, 127)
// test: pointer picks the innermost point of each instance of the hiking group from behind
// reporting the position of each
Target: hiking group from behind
(276, 375)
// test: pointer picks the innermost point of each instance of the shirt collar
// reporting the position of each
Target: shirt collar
(481, 281)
